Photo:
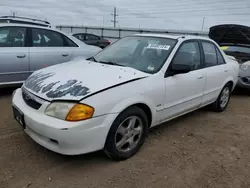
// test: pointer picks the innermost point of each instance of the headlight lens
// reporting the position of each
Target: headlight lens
(244, 67)
(69, 111)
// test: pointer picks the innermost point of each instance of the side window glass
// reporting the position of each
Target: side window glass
(189, 54)
(46, 38)
(69, 43)
(12, 37)
(91, 37)
(210, 54)
(80, 37)
(220, 57)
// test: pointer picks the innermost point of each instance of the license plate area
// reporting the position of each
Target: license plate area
(18, 115)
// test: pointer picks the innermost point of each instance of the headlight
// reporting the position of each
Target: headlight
(69, 111)
(244, 67)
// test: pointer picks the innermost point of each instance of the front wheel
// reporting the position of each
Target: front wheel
(223, 99)
(127, 134)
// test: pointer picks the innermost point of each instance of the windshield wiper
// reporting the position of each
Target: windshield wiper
(92, 58)
(111, 63)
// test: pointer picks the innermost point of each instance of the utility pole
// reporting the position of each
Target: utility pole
(115, 15)
(203, 21)
(13, 13)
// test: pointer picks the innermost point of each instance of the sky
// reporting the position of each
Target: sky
(157, 14)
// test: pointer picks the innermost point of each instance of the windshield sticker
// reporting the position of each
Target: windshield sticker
(151, 68)
(153, 41)
(158, 46)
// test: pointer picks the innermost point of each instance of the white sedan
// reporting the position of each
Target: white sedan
(111, 100)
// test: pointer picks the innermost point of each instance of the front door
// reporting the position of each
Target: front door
(184, 91)
(14, 55)
(216, 72)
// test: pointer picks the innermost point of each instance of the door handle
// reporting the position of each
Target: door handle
(200, 77)
(21, 56)
(65, 55)
(226, 70)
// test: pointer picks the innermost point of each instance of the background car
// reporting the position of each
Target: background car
(235, 41)
(25, 48)
(92, 39)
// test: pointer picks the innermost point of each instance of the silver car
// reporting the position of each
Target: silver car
(26, 48)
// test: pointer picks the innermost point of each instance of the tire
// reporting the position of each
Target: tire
(117, 151)
(217, 105)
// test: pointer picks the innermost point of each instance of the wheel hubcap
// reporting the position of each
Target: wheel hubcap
(128, 134)
(224, 97)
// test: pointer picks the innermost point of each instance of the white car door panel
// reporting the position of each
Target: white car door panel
(184, 93)
(215, 77)
(41, 57)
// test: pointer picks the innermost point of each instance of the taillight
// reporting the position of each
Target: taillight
(108, 42)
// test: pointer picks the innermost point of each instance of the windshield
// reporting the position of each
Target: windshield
(147, 54)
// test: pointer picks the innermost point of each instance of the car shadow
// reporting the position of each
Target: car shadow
(241, 92)
(7, 91)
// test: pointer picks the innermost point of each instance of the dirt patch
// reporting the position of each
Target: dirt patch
(202, 149)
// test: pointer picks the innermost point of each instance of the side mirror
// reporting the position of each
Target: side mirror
(180, 68)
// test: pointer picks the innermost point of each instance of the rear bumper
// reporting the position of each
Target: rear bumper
(69, 138)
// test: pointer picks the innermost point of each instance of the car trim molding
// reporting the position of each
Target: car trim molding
(112, 87)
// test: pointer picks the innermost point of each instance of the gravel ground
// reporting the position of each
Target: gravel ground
(201, 149)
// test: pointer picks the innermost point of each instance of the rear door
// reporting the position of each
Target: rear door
(48, 48)
(14, 55)
(216, 71)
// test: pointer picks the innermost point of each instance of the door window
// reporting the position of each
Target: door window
(210, 54)
(220, 57)
(189, 54)
(12, 36)
(46, 38)
(69, 42)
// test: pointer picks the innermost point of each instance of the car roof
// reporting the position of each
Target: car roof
(33, 26)
(174, 36)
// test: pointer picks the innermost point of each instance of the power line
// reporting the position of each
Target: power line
(115, 15)
(179, 11)
(189, 3)
(194, 14)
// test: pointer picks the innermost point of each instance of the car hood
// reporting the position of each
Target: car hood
(233, 34)
(78, 79)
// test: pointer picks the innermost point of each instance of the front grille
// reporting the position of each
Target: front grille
(30, 102)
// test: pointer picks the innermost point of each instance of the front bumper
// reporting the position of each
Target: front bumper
(244, 82)
(69, 138)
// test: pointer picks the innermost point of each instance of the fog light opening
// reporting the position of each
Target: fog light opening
(54, 141)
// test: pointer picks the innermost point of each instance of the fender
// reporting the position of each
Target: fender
(230, 79)
(124, 104)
